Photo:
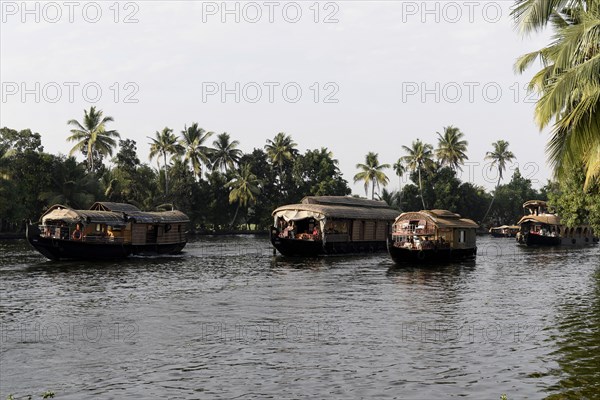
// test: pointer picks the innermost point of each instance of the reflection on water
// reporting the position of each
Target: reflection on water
(229, 319)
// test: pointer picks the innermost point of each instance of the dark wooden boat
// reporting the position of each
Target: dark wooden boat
(326, 225)
(431, 236)
(541, 227)
(106, 231)
(504, 231)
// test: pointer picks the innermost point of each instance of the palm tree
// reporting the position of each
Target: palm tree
(244, 189)
(91, 135)
(451, 149)
(371, 172)
(280, 149)
(499, 157)
(419, 156)
(196, 153)
(225, 155)
(399, 169)
(165, 143)
(568, 83)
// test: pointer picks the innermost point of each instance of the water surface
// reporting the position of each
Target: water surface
(227, 319)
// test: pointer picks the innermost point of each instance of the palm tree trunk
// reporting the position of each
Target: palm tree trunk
(166, 175)
(491, 202)
(400, 192)
(373, 190)
(235, 215)
(421, 190)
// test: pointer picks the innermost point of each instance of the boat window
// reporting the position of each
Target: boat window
(337, 227)
(98, 228)
(462, 237)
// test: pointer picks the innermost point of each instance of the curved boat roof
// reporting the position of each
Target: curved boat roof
(59, 212)
(549, 219)
(441, 218)
(342, 207)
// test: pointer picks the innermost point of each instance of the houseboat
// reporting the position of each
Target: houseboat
(541, 227)
(505, 231)
(325, 225)
(432, 236)
(106, 231)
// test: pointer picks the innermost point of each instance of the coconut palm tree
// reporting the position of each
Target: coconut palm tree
(451, 149)
(499, 157)
(165, 143)
(418, 156)
(91, 135)
(225, 155)
(399, 169)
(569, 83)
(195, 152)
(280, 149)
(244, 189)
(371, 172)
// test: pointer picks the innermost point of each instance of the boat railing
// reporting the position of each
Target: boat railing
(102, 239)
(413, 231)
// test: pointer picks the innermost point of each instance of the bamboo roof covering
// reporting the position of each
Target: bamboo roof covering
(440, 218)
(63, 213)
(116, 207)
(344, 210)
(549, 219)
(344, 201)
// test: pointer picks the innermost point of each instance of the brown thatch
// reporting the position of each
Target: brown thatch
(549, 219)
(116, 207)
(440, 218)
(162, 217)
(344, 201)
(320, 211)
(63, 213)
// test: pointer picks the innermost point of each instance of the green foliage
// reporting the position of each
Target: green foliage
(92, 138)
(371, 173)
(316, 173)
(576, 205)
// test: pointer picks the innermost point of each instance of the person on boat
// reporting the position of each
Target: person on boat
(315, 232)
(77, 233)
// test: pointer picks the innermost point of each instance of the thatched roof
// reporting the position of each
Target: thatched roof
(63, 213)
(341, 207)
(440, 218)
(116, 207)
(159, 217)
(549, 219)
(344, 201)
(535, 203)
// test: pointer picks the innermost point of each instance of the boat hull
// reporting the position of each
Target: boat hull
(65, 249)
(538, 240)
(314, 248)
(403, 255)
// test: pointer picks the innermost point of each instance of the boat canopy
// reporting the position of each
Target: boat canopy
(440, 218)
(549, 219)
(114, 218)
(322, 208)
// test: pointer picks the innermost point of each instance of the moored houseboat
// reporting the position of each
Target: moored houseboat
(107, 230)
(325, 225)
(542, 227)
(432, 236)
(504, 231)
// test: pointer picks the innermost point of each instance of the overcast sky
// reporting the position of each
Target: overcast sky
(352, 76)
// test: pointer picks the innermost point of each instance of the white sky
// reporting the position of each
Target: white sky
(397, 70)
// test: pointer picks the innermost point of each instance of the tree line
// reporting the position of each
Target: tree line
(220, 187)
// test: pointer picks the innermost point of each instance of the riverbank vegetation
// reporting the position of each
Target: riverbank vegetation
(222, 188)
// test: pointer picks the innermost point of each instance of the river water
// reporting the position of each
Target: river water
(227, 319)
